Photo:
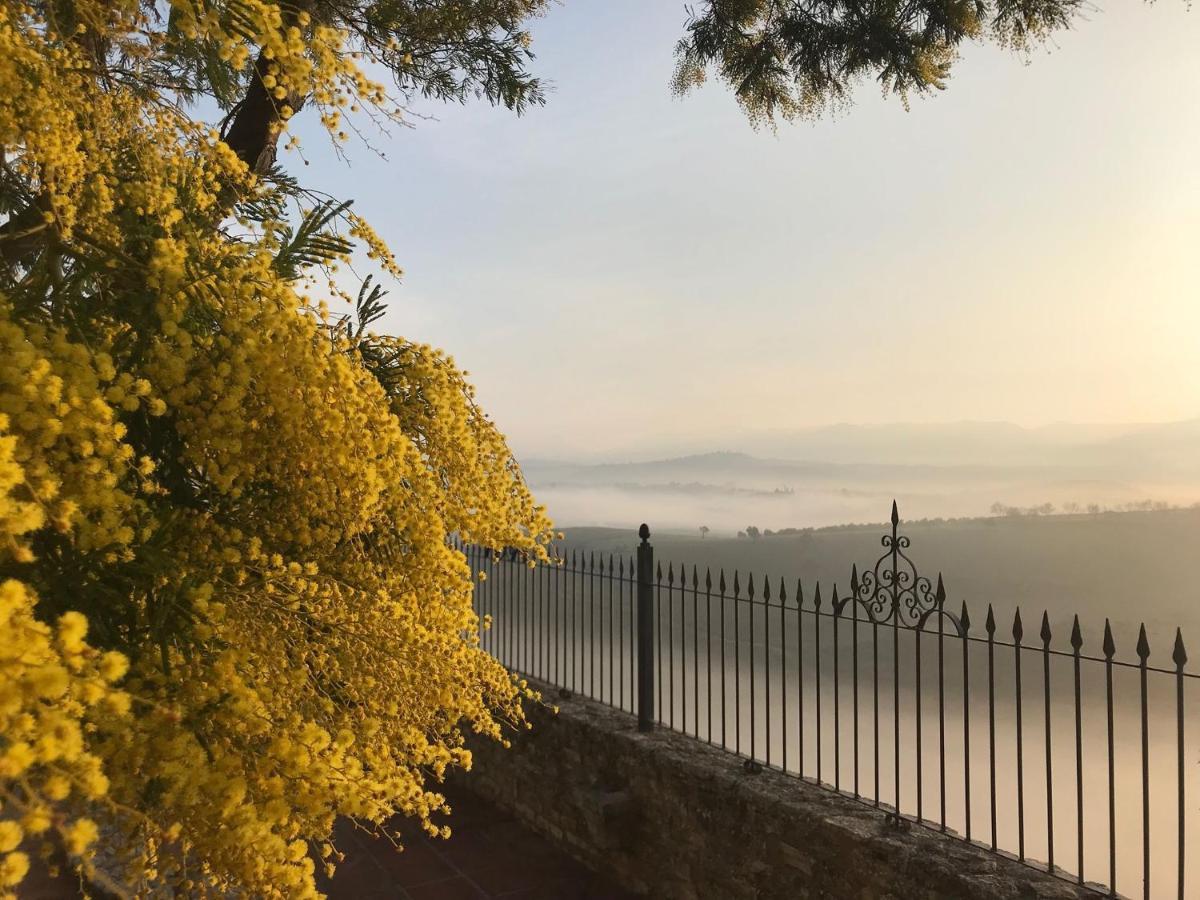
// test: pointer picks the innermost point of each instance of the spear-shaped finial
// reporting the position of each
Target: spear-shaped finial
(817, 597)
(895, 514)
(940, 594)
(1018, 629)
(1045, 633)
(854, 579)
(1109, 647)
(707, 579)
(965, 618)
(989, 624)
(1179, 655)
(1076, 635)
(1143, 645)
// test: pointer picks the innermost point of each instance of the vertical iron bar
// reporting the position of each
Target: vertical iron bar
(1109, 650)
(708, 636)
(509, 612)
(540, 624)
(611, 641)
(753, 698)
(696, 650)
(1076, 644)
(875, 700)
(1143, 652)
(658, 623)
(632, 631)
(783, 667)
(683, 666)
(941, 601)
(964, 621)
(1018, 632)
(523, 655)
(817, 671)
(917, 737)
(895, 545)
(531, 635)
(1045, 635)
(565, 615)
(767, 663)
(737, 665)
(1179, 657)
(645, 631)
(575, 626)
(621, 630)
(526, 604)
(800, 670)
(598, 599)
(548, 609)
(724, 731)
(853, 661)
(990, 627)
(561, 588)
(837, 700)
(593, 617)
(671, 642)
(854, 665)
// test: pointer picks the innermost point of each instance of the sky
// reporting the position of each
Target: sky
(622, 268)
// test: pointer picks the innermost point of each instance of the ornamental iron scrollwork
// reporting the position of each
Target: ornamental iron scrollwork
(893, 592)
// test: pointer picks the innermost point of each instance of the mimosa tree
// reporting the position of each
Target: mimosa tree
(229, 613)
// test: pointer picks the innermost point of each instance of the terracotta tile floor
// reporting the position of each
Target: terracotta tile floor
(490, 855)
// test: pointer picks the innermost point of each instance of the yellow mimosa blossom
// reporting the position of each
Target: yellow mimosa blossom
(230, 608)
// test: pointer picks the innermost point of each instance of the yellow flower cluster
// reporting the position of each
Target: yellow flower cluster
(53, 688)
(242, 509)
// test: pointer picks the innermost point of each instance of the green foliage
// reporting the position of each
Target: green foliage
(312, 243)
(789, 59)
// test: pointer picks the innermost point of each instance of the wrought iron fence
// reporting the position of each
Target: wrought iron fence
(883, 693)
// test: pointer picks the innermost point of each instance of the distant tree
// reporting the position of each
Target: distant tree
(753, 532)
(1094, 508)
(1071, 507)
(704, 529)
(998, 508)
(741, 534)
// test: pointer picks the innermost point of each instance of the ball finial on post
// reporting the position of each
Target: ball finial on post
(644, 532)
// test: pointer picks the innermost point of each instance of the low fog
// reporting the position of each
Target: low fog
(845, 474)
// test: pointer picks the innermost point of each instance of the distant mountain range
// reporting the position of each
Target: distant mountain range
(851, 473)
(1155, 451)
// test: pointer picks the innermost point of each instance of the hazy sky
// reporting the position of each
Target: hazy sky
(621, 267)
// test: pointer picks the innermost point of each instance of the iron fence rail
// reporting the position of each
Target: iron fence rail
(883, 694)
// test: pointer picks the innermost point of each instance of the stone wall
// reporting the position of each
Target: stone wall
(671, 817)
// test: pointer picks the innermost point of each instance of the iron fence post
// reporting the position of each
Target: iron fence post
(645, 626)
